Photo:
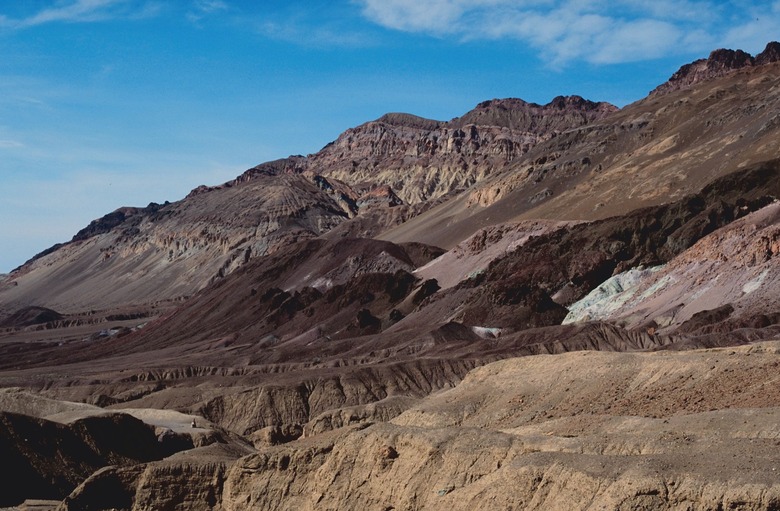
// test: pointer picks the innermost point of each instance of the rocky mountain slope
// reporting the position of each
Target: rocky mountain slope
(346, 327)
(720, 62)
(511, 148)
(653, 151)
(171, 251)
(162, 252)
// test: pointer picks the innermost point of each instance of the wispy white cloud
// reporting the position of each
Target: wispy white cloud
(435, 16)
(210, 5)
(79, 11)
(303, 34)
(625, 41)
(85, 11)
(203, 8)
(319, 24)
(10, 144)
(596, 31)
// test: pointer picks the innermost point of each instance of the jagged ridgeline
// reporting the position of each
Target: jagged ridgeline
(559, 306)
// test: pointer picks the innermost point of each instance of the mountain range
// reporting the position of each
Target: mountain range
(577, 299)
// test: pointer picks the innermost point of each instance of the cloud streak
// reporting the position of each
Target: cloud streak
(312, 36)
(85, 11)
(320, 25)
(204, 8)
(595, 31)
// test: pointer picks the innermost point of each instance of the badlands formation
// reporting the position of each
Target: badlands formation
(561, 306)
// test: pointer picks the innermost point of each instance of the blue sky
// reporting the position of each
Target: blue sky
(107, 103)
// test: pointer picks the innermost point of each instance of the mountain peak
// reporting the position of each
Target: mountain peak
(720, 62)
(728, 59)
(770, 54)
(515, 113)
(408, 121)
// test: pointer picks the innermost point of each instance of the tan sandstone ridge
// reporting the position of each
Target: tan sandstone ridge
(585, 430)
(693, 430)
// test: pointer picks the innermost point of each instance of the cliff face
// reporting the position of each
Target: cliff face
(420, 159)
(190, 482)
(48, 460)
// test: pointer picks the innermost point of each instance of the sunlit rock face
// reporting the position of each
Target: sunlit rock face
(421, 159)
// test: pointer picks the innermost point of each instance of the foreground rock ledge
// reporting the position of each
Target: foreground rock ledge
(585, 430)
(577, 431)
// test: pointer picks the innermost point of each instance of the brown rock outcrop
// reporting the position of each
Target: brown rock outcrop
(560, 114)
(421, 159)
(190, 481)
(770, 54)
(28, 316)
(46, 460)
(719, 63)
